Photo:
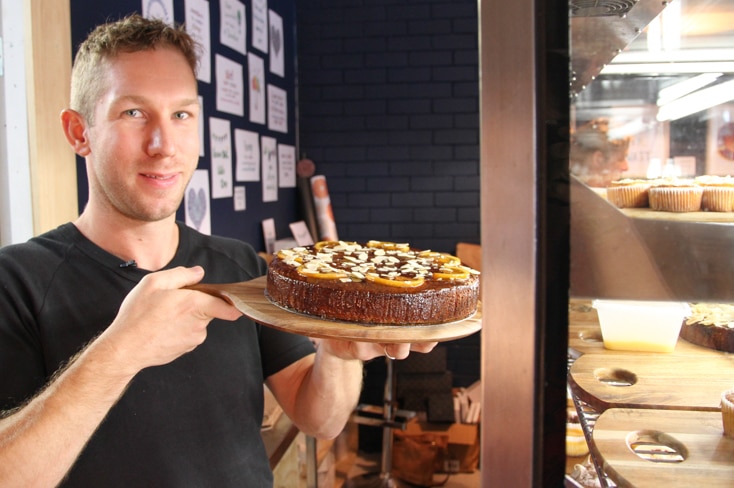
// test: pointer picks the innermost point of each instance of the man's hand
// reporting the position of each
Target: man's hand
(364, 351)
(158, 321)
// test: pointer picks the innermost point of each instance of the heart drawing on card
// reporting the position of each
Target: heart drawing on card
(276, 39)
(196, 206)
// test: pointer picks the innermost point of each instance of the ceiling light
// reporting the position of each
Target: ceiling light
(672, 62)
(669, 68)
(677, 56)
(670, 93)
(697, 101)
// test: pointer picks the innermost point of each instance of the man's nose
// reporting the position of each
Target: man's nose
(160, 141)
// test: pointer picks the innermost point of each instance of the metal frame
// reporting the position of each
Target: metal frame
(524, 122)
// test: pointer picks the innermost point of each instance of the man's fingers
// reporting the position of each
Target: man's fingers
(179, 277)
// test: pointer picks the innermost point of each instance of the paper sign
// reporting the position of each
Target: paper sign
(260, 25)
(269, 169)
(286, 166)
(201, 126)
(240, 203)
(158, 9)
(196, 202)
(247, 151)
(256, 87)
(300, 233)
(277, 109)
(233, 26)
(230, 91)
(277, 43)
(221, 157)
(269, 235)
(197, 25)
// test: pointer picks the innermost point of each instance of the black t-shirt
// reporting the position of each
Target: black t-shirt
(192, 422)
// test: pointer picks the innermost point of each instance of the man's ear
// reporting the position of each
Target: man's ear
(75, 130)
(598, 160)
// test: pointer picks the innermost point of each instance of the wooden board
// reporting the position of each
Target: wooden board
(250, 299)
(709, 455)
(661, 381)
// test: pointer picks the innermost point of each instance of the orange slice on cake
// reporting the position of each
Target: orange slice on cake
(323, 275)
(452, 273)
(398, 281)
(389, 246)
(441, 258)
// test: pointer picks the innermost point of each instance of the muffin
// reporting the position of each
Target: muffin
(676, 196)
(718, 193)
(727, 412)
(629, 193)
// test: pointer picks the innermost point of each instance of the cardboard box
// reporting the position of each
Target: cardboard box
(463, 453)
(415, 389)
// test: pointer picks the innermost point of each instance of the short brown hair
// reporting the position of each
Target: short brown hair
(130, 34)
(594, 136)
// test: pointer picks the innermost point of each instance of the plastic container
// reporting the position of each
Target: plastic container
(640, 325)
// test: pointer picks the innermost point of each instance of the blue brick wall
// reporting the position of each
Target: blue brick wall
(389, 112)
(388, 102)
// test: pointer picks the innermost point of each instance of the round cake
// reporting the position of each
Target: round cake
(710, 325)
(373, 283)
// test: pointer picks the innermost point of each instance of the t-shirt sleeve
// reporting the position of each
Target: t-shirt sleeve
(281, 349)
(21, 362)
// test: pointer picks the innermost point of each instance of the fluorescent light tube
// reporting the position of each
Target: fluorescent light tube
(697, 101)
(672, 92)
(669, 68)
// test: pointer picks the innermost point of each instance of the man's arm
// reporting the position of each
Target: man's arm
(157, 323)
(58, 422)
(320, 391)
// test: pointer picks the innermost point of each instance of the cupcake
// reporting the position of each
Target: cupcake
(676, 196)
(727, 412)
(629, 193)
(718, 193)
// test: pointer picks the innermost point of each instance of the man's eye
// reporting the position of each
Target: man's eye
(181, 115)
(133, 112)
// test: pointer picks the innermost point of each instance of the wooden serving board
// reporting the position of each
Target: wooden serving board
(709, 455)
(661, 381)
(249, 297)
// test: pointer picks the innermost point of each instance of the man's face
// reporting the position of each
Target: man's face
(144, 144)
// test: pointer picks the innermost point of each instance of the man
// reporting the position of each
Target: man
(114, 374)
(594, 158)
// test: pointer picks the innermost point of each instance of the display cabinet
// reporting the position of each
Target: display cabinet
(652, 92)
